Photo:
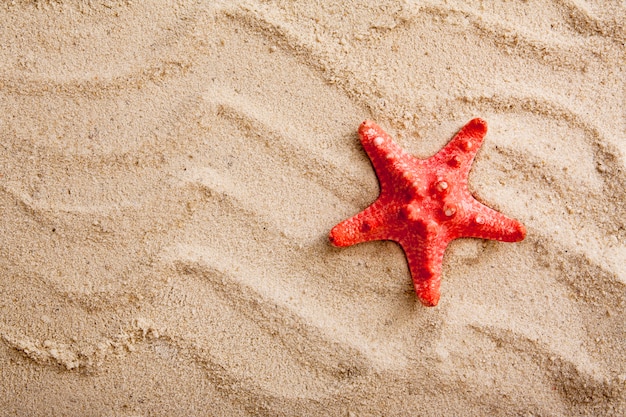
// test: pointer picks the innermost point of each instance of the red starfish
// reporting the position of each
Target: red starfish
(424, 204)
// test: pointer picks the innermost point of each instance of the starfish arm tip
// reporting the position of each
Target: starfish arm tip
(368, 130)
(425, 268)
(461, 150)
(477, 126)
(349, 232)
(427, 288)
(367, 124)
(520, 233)
(509, 230)
(337, 237)
(429, 299)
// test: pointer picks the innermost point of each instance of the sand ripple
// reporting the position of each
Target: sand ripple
(169, 174)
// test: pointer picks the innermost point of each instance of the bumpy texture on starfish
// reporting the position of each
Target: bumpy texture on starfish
(425, 204)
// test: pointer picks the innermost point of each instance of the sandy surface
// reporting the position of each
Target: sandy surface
(169, 172)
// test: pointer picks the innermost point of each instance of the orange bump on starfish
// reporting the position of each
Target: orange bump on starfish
(424, 204)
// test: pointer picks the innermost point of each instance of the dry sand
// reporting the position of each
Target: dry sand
(169, 172)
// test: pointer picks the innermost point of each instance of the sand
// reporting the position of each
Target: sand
(169, 173)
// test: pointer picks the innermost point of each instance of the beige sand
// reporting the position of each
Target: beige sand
(169, 172)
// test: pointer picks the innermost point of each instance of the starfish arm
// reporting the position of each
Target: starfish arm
(424, 256)
(461, 150)
(387, 157)
(370, 224)
(486, 223)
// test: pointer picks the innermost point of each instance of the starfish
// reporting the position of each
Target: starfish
(424, 204)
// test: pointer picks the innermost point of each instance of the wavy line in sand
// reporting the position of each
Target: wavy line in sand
(221, 273)
(581, 389)
(303, 324)
(366, 89)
